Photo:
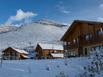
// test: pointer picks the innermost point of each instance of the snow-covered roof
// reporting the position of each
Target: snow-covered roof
(24, 56)
(61, 55)
(51, 46)
(20, 51)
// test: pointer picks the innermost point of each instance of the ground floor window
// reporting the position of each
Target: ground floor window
(72, 53)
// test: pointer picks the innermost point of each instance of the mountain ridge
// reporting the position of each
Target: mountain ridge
(8, 28)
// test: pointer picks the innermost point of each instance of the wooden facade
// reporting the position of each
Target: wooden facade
(46, 53)
(14, 54)
(82, 36)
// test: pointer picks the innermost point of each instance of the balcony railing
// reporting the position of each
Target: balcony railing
(94, 40)
(72, 45)
(83, 42)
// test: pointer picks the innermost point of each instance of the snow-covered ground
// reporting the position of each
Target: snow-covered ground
(43, 68)
(91, 66)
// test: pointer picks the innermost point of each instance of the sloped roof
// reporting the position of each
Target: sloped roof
(61, 55)
(25, 56)
(20, 51)
(73, 25)
(51, 46)
(17, 50)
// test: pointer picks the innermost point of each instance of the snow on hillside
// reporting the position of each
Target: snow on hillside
(7, 28)
(49, 22)
(31, 34)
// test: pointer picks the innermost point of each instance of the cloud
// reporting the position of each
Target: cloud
(20, 15)
(101, 6)
(100, 19)
(62, 8)
(65, 11)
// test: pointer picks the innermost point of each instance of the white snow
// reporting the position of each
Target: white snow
(60, 55)
(20, 51)
(42, 68)
(25, 56)
(6, 28)
(31, 33)
(70, 67)
(51, 46)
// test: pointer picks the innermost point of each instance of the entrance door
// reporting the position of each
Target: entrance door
(85, 52)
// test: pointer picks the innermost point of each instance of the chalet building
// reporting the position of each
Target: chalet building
(82, 37)
(49, 51)
(14, 54)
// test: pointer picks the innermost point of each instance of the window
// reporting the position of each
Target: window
(55, 51)
(88, 36)
(66, 50)
(74, 41)
(100, 31)
(68, 43)
(77, 40)
(65, 43)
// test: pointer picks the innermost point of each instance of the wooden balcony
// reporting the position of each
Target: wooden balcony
(98, 39)
(94, 40)
(72, 45)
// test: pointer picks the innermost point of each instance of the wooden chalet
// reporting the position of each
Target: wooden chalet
(11, 53)
(82, 36)
(49, 51)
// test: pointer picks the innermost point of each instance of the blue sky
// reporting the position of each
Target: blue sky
(64, 11)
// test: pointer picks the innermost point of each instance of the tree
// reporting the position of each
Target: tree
(96, 65)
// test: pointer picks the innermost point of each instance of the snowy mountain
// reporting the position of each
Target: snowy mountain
(49, 22)
(30, 34)
(7, 28)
